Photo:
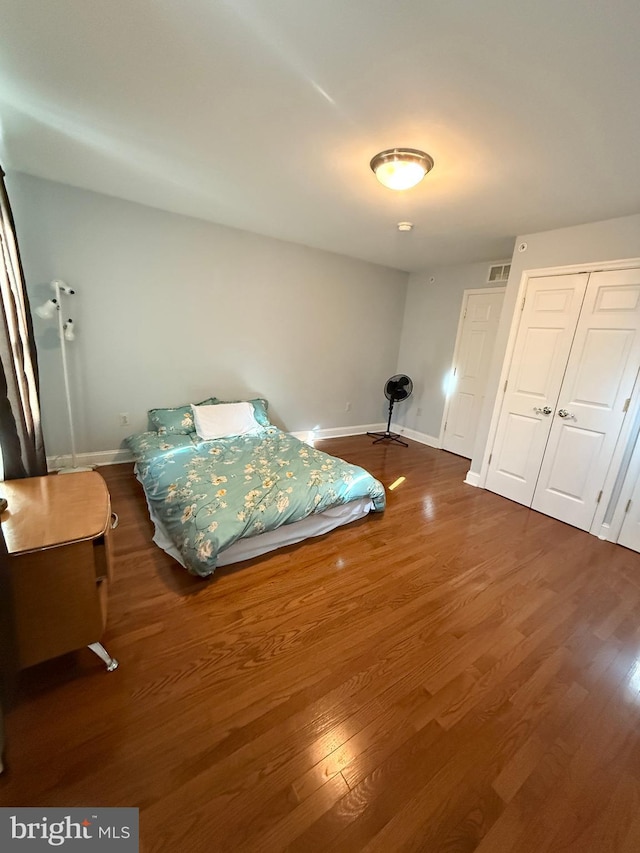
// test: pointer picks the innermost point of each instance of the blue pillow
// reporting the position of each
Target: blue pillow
(177, 420)
(147, 446)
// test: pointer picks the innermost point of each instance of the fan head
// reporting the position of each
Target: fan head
(398, 388)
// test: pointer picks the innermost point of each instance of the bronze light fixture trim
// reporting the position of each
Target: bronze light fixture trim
(401, 168)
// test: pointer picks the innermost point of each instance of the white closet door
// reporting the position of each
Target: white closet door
(543, 343)
(599, 379)
(474, 347)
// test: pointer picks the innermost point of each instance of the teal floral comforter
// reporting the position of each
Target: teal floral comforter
(208, 494)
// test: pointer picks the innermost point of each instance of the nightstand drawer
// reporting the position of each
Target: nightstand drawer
(55, 602)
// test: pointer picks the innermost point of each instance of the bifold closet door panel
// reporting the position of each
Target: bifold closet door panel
(545, 335)
(598, 381)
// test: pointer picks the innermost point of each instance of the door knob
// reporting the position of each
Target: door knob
(563, 413)
(539, 411)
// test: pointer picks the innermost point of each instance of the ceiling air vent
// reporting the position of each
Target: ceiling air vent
(498, 272)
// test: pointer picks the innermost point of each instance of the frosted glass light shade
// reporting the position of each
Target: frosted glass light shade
(401, 168)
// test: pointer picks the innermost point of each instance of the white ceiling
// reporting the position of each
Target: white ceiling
(264, 114)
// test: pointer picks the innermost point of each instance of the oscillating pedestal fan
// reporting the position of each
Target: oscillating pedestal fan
(397, 388)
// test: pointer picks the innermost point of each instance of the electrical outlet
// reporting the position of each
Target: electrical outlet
(347, 408)
(124, 418)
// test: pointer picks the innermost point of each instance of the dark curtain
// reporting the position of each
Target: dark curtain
(8, 653)
(21, 442)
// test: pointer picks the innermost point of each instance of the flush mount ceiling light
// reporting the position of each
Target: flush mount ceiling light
(401, 168)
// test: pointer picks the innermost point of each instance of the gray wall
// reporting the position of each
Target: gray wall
(428, 339)
(171, 310)
(609, 240)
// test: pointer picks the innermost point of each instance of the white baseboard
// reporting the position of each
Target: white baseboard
(338, 432)
(115, 457)
(95, 459)
(414, 435)
(472, 478)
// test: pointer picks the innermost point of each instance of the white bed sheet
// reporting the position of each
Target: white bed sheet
(287, 534)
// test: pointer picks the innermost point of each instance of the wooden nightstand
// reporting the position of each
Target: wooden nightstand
(57, 530)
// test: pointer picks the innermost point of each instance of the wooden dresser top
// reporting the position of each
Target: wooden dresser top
(54, 510)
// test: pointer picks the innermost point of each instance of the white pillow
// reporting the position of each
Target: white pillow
(224, 419)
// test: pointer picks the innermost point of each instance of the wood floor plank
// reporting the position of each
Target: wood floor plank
(457, 674)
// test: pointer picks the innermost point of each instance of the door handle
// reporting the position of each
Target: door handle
(539, 411)
(563, 413)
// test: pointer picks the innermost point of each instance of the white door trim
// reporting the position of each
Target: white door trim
(456, 352)
(611, 529)
(598, 527)
(601, 266)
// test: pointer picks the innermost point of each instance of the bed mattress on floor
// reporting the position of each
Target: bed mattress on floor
(206, 497)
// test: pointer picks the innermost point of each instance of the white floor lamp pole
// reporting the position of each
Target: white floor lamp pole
(65, 372)
(65, 333)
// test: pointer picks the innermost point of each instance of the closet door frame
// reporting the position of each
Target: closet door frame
(629, 480)
(598, 526)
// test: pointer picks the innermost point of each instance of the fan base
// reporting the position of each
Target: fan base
(388, 436)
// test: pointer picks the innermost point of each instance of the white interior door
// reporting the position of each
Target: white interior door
(593, 400)
(472, 359)
(545, 335)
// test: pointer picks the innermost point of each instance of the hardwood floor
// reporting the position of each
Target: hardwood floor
(457, 674)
